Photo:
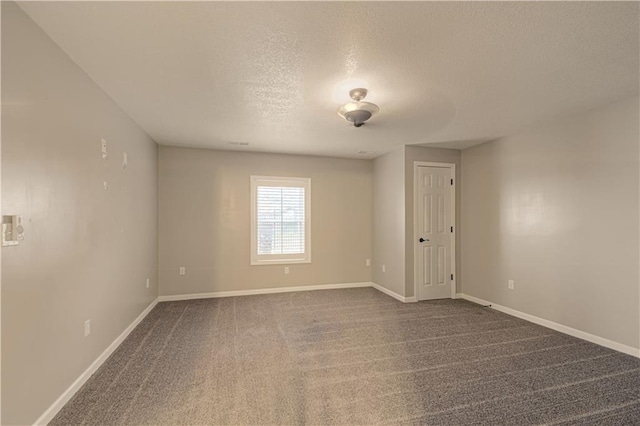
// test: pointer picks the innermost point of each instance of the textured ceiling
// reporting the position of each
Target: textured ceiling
(204, 74)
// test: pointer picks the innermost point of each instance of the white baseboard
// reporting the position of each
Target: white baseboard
(557, 327)
(51, 412)
(394, 294)
(215, 294)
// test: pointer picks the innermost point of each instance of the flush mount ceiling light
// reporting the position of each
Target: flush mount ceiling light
(358, 112)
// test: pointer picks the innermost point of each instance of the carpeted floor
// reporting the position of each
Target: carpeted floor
(353, 356)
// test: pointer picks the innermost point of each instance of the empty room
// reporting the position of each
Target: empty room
(345, 213)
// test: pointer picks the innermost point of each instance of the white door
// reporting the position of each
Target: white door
(433, 232)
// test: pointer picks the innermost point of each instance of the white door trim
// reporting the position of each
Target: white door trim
(451, 166)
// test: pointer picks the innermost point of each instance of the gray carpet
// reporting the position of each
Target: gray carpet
(353, 356)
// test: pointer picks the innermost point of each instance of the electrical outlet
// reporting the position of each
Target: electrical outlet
(368, 262)
(183, 270)
(510, 283)
(103, 146)
(148, 282)
(286, 270)
(87, 328)
(384, 268)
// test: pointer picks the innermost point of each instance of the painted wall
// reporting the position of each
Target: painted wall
(205, 217)
(555, 209)
(87, 251)
(437, 155)
(389, 221)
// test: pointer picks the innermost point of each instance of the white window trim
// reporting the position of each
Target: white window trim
(280, 259)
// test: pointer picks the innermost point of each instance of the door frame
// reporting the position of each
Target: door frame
(452, 166)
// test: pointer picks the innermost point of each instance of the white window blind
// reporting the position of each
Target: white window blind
(280, 226)
(280, 220)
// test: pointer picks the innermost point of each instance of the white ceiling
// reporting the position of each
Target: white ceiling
(203, 74)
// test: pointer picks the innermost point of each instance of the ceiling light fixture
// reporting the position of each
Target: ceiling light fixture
(358, 112)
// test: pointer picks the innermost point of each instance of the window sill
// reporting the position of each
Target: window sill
(279, 262)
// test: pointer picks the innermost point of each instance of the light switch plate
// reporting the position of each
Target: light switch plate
(12, 230)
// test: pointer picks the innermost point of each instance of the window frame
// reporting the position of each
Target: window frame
(285, 258)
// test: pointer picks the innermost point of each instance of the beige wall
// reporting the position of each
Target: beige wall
(555, 208)
(436, 155)
(389, 221)
(87, 252)
(205, 217)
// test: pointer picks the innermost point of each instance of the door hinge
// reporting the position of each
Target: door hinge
(452, 229)
(451, 181)
(451, 277)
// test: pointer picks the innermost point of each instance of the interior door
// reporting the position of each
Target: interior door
(433, 236)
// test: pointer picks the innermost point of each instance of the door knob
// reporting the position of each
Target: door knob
(422, 240)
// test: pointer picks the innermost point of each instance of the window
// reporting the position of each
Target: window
(280, 224)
